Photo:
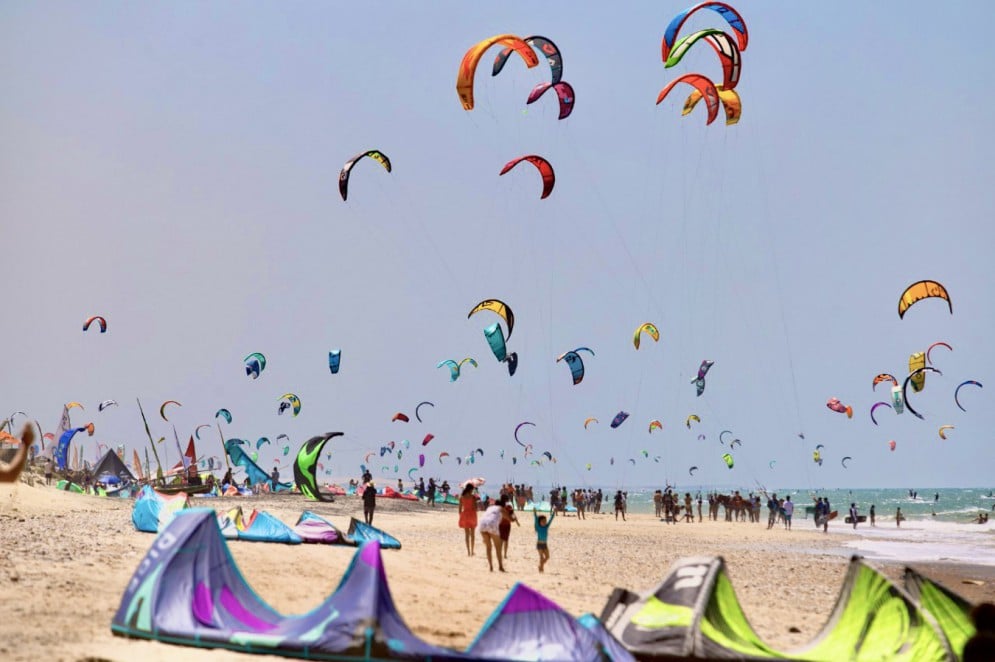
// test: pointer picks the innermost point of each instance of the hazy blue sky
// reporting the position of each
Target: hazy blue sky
(173, 167)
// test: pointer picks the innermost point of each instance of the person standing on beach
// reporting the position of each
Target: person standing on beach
(688, 515)
(542, 536)
(771, 510)
(468, 517)
(789, 510)
(369, 501)
(504, 529)
(699, 507)
(853, 514)
(619, 505)
(871, 513)
(431, 491)
(490, 532)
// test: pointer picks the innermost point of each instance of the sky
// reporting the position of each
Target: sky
(173, 167)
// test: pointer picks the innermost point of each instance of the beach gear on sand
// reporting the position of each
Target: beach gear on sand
(694, 612)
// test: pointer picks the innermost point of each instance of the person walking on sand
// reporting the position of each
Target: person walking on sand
(504, 530)
(490, 532)
(369, 501)
(853, 514)
(468, 517)
(619, 505)
(789, 510)
(542, 536)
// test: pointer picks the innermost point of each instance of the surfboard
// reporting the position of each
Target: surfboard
(833, 514)
(860, 519)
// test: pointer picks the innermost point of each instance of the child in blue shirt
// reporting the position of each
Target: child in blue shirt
(542, 532)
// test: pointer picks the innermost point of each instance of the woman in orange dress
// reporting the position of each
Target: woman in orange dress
(468, 516)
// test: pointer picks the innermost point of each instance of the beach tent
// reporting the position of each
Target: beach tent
(612, 648)
(111, 464)
(263, 527)
(694, 613)
(950, 611)
(529, 626)
(316, 529)
(153, 511)
(188, 590)
(362, 532)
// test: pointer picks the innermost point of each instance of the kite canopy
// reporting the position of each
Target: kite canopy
(306, 466)
(544, 168)
(649, 329)
(468, 67)
(694, 613)
(923, 289)
(731, 16)
(189, 591)
(548, 48)
(99, 320)
(374, 154)
(703, 85)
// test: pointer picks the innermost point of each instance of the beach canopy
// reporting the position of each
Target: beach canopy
(529, 626)
(316, 529)
(694, 612)
(111, 465)
(361, 532)
(950, 611)
(188, 590)
(153, 510)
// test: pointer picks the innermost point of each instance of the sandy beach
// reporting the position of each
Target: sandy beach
(66, 558)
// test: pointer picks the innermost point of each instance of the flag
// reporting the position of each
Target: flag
(137, 462)
(63, 427)
(190, 456)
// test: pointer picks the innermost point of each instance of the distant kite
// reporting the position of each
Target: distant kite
(923, 289)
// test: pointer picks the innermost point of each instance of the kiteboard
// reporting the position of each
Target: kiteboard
(860, 519)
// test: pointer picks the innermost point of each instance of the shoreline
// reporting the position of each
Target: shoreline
(80, 551)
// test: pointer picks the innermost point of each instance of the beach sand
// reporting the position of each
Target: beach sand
(66, 558)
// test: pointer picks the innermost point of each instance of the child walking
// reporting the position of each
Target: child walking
(542, 533)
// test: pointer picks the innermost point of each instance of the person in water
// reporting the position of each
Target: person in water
(871, 513)
(542, 536)
(899, 516)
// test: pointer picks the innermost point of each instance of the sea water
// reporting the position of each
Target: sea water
(934, 529)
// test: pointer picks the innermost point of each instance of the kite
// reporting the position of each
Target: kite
(731, 16)
(835, 405)
(692, 417)
(770, 465)
(817, 457)
(512, 362)
(917, 360)
(197, 430)
(102, 406)
(495, 338)
(588, 466)
(701, 437)
(374, 154)
(936, 344)
(518, 427)
(454, 368)
(548, 455)
(499, 307)
(224, 413)
(732, 444)
(162, 408)
(544, 168)
(262, 441)
(255, 363)
(96, 318)
(962, 385)
(306, 462)
(288, 401)
(875, 406)
(633, 461)
(576, 364)
(334, 357)
(942, 430)
(703, 369)
(721, 434)
(649, 329)
(564, 94)
(619, 418)
(883, 377)
(587, 421)
(704, 86)
(723, 45)
(426, 402)
(411, 471)
(731, 104)
(727, 458)
(468, 67)
(548, 49)
(400, 417)
(891, 445)
(70, 405)
(897, 399)
(843, 461)
(428, 438)
(645, 453)
(923, 289)
(905, 387)
(692, 470)
(655, 425)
